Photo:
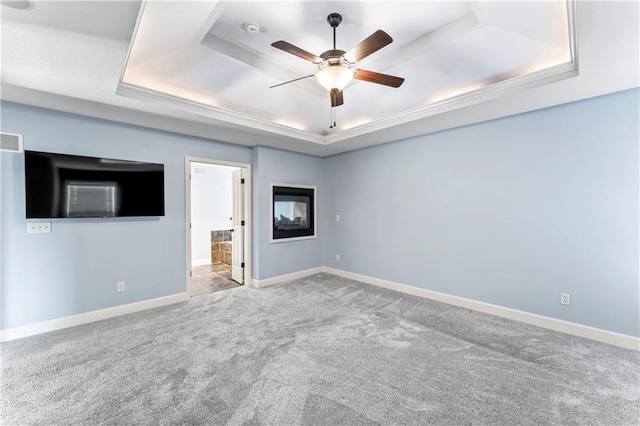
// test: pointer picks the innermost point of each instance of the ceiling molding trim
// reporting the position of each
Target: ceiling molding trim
(573, 31)
(143, 4)
(503, 88)
(496, 90)
(208, 23)
(227, 116)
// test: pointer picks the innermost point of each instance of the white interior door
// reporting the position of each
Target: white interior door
(237, 254)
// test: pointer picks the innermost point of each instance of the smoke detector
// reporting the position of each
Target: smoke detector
(252, 28)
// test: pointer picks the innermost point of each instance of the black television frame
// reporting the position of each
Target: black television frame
(138, 186)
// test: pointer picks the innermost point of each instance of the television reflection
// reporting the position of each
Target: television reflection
(91, 199)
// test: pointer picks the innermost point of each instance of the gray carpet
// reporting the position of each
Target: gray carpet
(320, 350)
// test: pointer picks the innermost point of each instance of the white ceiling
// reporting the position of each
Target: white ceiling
(191, 67)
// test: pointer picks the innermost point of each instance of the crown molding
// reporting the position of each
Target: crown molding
(232, 117)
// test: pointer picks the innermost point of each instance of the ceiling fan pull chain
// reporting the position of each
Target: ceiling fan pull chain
(332, 119)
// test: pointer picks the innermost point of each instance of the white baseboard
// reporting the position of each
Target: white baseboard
(609, 337)
(85, 318)
(200, 262)
(287, 277)
(597, 334)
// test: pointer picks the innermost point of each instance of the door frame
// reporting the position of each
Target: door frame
(247, 215)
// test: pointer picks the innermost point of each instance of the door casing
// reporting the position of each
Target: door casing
(246, 173)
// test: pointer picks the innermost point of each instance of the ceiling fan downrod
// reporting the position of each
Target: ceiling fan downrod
(334, 19)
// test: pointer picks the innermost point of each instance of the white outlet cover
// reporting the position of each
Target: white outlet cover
(565, 299)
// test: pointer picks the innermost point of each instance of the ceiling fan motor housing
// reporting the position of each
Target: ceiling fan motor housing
(332, 57)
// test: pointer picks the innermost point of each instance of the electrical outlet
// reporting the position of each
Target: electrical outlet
(565, 299)
(337, 218)
(337, 257)
(120, 286)
(39, 228)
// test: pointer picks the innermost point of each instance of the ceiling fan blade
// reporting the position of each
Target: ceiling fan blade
(291, 81)
(369, 45)
(376, 77)
(290, 48)
(337, 98)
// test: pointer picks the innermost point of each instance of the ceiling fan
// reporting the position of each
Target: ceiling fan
(335, 66)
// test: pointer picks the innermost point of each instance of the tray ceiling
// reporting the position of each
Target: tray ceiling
(200, 55)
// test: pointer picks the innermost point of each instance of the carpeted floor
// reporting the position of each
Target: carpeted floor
(321, 350)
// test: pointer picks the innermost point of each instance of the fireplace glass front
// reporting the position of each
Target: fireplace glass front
(293, 212)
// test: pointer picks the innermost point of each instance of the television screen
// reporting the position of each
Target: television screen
(63, 186)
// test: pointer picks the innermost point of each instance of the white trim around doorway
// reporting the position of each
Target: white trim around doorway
(247, 215)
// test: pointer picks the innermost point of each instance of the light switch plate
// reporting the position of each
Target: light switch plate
(39, 228)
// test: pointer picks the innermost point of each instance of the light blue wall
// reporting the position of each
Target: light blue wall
(510, 212)
(277, 166)
(75, 268)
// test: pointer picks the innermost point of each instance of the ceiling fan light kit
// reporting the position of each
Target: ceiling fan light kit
(335, 71)
(334, 77)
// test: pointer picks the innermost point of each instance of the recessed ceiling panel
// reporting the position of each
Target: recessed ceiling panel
(204, 53)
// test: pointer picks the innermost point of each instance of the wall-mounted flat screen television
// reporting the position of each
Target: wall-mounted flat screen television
(67, 186)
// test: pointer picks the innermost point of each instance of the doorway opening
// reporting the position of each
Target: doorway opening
(217, 225)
